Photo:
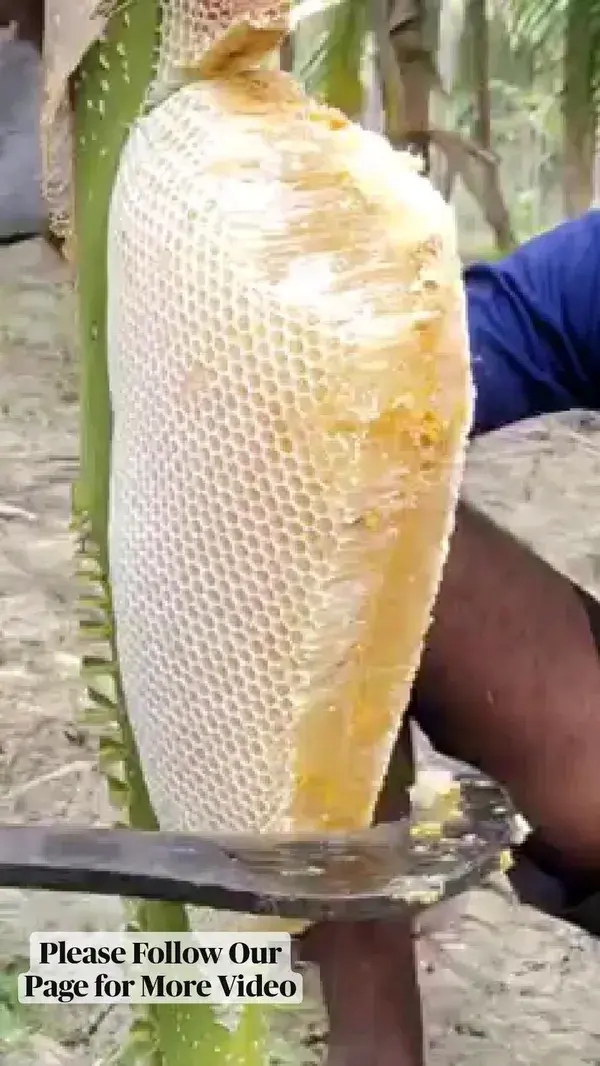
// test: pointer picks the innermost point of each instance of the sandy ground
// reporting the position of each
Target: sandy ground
(502, 984)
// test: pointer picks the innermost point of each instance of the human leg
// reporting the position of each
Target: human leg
(368, 969)
(369, 981)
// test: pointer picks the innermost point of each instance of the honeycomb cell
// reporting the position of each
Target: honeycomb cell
(284, 476)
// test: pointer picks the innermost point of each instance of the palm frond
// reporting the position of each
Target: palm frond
(534, 22)
(329, 54)
(567, 30)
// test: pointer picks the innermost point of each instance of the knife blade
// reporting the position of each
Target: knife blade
(382, 872)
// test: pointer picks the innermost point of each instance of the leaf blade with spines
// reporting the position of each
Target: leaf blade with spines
(109, 90)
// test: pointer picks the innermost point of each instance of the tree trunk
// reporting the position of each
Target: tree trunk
(286, 54)
(408, 39)
(493, 203)
(481, 72)
(596, 174)
(578, 112)
(407, 94)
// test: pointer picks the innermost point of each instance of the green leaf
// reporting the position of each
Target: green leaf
(95, 630)
(111, 757)
(12, 1028)
(140, 1047)
(95, 665)
(118, 793)
(95, 717)
(102, 698)
(109, 90)
(329, 52)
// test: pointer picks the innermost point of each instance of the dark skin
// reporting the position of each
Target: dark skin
(535, 727)
(368, 969)
(509, 651)
(509, 682)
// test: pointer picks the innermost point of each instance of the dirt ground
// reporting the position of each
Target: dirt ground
(501, 984)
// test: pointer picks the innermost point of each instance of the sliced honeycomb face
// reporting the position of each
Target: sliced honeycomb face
(190, 28)
(291, 394)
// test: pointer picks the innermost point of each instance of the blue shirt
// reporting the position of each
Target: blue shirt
(534, 324)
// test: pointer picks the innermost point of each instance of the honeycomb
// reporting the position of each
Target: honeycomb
(291, 399)
(194, 31)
